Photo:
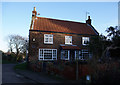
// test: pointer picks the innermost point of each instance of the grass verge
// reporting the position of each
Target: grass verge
(8, 62)
(22, 66)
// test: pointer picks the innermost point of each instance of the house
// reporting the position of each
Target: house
(54, 39)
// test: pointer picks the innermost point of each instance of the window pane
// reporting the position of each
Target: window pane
(46, 35)
(85, 40)
(77, 54)
(50, 35)
(64, 54)
(48, 38)
(46, 56)
(54, 51)
(41, 54)
(68, 39)
(85, 54)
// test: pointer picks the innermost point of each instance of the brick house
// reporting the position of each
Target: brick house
(53, 39)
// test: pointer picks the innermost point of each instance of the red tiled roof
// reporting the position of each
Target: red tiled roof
(70, 48)
(47, 24)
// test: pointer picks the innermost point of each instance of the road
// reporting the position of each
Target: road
(9, 75)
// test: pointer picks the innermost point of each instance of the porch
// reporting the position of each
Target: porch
(73, 52)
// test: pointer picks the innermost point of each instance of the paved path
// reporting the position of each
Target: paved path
(9, 75)
(37, 77)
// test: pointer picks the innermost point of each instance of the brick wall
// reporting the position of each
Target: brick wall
(58, 38)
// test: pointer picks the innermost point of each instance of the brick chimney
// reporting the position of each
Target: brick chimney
(88, 21)
(34, 15)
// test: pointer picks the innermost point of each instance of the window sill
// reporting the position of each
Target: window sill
(85, 44)
(68, 43)
(48, 43)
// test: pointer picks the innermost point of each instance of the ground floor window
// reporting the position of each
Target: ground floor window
(85, 54)
(82, 54)
(65, 54)
(47, 54)
(77, 54)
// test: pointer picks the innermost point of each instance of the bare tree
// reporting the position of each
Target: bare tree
(17, 44)
(10, 46)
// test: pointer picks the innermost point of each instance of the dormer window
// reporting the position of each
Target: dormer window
(85, 40)
(68, 40)
(48, 39)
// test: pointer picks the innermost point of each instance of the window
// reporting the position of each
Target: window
(48, 38)
(85, 40)
(47, 54)
(65, 54)
(68, 39)
(77, 54)
(85, 54)
(82, 55)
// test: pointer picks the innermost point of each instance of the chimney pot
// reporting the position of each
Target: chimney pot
(34, 8)
(88, 21)
(88, 17)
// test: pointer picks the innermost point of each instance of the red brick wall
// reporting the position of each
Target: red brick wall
(69, 72)
(58, 38)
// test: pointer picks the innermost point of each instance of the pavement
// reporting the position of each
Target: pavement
(9, 75)
(37, 77)
(40, 77)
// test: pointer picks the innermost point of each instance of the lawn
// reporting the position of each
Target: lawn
(8, 62)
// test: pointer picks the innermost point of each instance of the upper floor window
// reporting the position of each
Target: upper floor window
(48, 38)
(85, 40)
(68, 39)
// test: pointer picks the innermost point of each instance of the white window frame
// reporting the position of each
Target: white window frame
(68, 39)
(41, 56)
(68, 57)
(85, 38)
(83, 51)
(78, 54)
(49, 36)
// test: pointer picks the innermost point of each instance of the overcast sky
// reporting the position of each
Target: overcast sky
(16, 16)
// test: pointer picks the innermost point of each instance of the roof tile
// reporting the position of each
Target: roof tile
(47, 24)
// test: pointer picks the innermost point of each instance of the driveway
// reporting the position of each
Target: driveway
(9, 75)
